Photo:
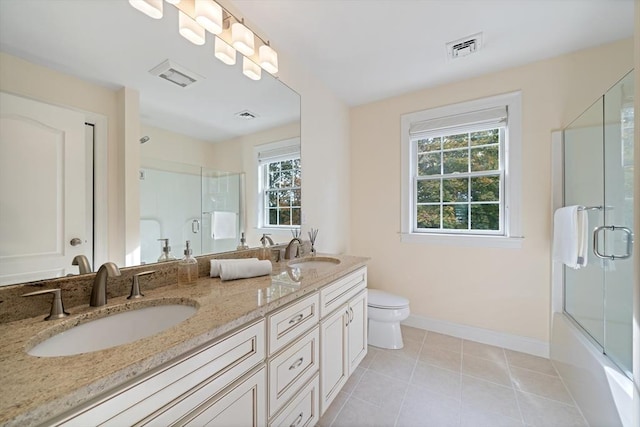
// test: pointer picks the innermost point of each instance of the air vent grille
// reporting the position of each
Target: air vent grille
(176, 74)
(246, 115)
(464, 47)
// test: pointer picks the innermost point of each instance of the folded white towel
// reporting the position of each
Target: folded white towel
(570, 236)
(216, 263)
(223, 225)
(244, 270)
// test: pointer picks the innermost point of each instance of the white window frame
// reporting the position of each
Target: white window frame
(511, 236)
(264, 154)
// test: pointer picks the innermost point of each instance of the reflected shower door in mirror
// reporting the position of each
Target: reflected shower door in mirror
(180, 203)
(213, 123)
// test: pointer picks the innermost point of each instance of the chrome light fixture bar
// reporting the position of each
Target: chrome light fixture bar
(231, 34)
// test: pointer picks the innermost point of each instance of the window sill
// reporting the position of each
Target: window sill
(465, 241)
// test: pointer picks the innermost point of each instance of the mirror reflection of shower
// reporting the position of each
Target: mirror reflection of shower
(184, 202)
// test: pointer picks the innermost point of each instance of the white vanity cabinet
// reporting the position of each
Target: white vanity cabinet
(343, 333)
(183, 386)
(281, 370)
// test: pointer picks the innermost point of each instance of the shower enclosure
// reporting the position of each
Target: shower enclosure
(183, 202)
(598, 174)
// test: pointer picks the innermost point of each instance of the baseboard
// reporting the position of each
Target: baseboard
(485, 336)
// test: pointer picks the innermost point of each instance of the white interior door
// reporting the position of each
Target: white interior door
(43, 190)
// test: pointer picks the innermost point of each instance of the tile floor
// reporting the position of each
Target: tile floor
(439, 380)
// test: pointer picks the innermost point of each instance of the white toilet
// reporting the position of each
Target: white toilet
(385, 312)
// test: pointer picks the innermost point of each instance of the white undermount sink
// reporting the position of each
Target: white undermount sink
(315, 262)
(113, 330)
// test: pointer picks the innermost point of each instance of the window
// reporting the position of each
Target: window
(279, 172)
(461, 173)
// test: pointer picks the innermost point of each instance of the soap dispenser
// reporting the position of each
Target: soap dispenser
(166, 251)
(187, 267)
(265, 252)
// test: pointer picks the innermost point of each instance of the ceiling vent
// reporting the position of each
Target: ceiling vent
(176, 74)
(465, 46)
(246, 115)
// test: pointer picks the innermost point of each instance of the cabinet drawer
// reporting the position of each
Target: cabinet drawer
(212, 367)
(303, 410)
(292, 368)
(340, 291)
(243, 405)
(290, 322)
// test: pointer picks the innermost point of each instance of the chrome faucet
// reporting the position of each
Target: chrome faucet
(99, 290)
(83, 264)
(287, 252)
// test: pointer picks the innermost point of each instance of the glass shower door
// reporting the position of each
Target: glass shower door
(598, 165)
(615, 238)
(584, 186)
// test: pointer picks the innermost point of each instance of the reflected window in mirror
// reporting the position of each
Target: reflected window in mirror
(279, 184)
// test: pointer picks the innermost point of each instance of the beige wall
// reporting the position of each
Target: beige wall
(174, 147)
(504, 290)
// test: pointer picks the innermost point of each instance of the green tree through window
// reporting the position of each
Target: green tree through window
(282, 195)
(459, 180)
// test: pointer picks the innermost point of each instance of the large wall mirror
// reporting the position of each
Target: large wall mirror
(201, 139)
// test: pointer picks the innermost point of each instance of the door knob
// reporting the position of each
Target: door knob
(75, 241)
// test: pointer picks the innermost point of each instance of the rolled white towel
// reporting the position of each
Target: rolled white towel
(244, 270)
(216, 263)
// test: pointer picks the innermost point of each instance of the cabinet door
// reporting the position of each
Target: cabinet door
(357, 332)
(244, 405)
(334, 363)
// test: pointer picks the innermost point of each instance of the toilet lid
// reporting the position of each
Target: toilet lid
(380, 299)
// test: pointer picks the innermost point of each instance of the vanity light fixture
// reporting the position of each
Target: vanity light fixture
(268, 58)
(251, 69)
(225, 52)
(242, 38)
(152, 8)
(189, 29)
(231, 35)
(209, 14)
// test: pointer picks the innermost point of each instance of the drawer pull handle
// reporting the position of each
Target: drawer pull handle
(296, 364)
(298, 420)
(296, 319)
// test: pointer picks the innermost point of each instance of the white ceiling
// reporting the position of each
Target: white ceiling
(366, 50)
(363, 50)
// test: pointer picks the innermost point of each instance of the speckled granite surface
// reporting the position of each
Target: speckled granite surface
(33, 389)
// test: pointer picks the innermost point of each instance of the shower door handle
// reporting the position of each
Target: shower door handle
(195, 226)
(626, 230)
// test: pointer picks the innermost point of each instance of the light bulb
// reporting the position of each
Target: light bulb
(225, 52)
(152, 8)
(268, 59)
(242, 39)
(251, 69)
(209, 14)
(189, 29)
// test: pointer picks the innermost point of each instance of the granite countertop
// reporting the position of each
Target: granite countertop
(34, 389)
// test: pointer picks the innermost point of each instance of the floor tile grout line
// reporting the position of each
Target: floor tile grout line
(515, 392)
(406, 391)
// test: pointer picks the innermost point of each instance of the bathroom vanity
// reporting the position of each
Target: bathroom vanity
(261, 351)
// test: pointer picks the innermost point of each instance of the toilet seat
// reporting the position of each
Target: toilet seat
(381, 299)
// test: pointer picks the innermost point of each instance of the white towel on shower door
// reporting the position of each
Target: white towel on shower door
(570, 236)
(223, 225)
